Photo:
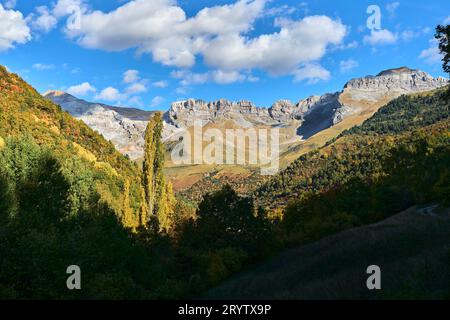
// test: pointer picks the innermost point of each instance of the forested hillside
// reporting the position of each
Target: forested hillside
(360, 152)
(68, 198)
(25, 114)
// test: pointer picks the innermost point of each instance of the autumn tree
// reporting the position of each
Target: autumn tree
(158, 195)
(128, 217)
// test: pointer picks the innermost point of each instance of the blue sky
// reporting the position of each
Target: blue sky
(148, 53)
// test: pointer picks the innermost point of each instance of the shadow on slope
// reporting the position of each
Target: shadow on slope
(412, 249)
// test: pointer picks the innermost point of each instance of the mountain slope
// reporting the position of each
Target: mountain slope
(124, 127)
(358, 151)
(359, 182)
(24, 113)
(411, 248)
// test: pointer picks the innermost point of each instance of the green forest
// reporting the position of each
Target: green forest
(67, 197)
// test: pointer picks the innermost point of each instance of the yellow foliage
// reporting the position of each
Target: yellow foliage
(275, 215)
(167, 206)
(129, 220)
(105, 166)
(2, 143)
(84, 154)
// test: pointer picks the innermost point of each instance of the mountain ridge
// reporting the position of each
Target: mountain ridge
(125, 126)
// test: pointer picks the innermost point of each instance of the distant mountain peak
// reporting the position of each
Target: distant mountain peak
(396, 71)
(55, 93)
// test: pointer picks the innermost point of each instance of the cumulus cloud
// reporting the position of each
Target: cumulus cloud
(380, 37)
(157, 101)
(45, 21)
(278, 53)
(135, 88)
(130, 76)
(348, 65)
(188, 78)
(42, 66)
(110, 94)
(81, 89)
(13, 29)
(313, 73)
(64, 8)
(219, 34)
(392, 7)
(10, 4)
(135, 101)
(160, 84)
(431, 55)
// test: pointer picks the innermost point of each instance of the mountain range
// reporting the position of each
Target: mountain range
(359, 99)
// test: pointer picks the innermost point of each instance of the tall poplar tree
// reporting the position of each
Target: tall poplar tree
(128, 217)
(159, 198)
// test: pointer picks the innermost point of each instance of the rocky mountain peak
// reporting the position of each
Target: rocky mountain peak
(396, 71)
(393, 82)
(55, 93)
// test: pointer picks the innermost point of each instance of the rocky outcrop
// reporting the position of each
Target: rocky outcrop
(183, 114)
(124, 127)
(393, 81)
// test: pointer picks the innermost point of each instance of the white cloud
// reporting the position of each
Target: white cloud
(447, 20)
(156, 101)
(160, 84)
(45, 21)
(188, 78)
(313, 73)
(81, 89)
(10, 4)
(13, 29)
(42, 67)
(408, 35)
(280, 10)
(131, 76)
(392, 7)
(110, 94)
(64, 8)
(219, 34)
(431, 55)
(224, 77)
(380, 37)
(135, 101)
(136, 88)
(348, 65)
(278, 53)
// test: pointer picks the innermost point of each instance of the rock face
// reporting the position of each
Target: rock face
(183, 114)
(125, 127)
(398, 81)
